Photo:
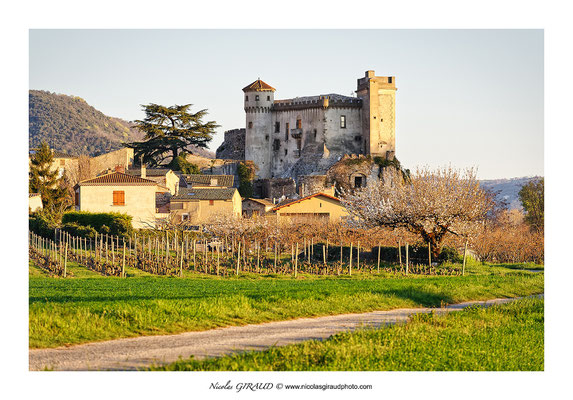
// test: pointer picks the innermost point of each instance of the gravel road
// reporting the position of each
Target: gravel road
(134, 353)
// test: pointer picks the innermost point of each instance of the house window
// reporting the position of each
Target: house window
(250, 124)
(77, 197)
(246, 98)
(286, 131)
(389, 79)
(257, 97)
(118, 198)
(298, 124)
(62, 163)
(211, 202)
(277, 127)
(185, 217)
(343, 121)
(359, 181)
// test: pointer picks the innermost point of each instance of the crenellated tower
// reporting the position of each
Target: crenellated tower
(378, 94)
(259, 98)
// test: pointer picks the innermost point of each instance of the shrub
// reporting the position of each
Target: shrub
(111, 223)
(75, 229)
(417, 254)
(42, 223)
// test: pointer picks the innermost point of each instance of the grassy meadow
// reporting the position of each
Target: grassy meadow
(87, 307)
(506, 337)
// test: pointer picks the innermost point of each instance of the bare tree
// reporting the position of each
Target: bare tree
(433, 204)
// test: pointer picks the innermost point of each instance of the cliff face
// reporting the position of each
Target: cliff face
(233, 147)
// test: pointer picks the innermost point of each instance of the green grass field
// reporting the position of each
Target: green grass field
(506, 337)
(88, 307)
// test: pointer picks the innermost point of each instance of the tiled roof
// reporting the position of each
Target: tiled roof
(117, 178)
(33, 194)
(261, 201)
(205, 180)
(289, 202)
(258, 86)
(148, 171)
(204, 194)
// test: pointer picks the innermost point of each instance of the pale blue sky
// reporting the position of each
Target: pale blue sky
(465, 97)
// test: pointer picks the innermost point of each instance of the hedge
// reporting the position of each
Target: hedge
(109, 223)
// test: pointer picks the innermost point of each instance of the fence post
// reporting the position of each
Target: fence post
(350, 264)
(379, 257)
(407, 260)
(296, 261)
(465, 252)
(123, 263)
(429, 254)
(66, 261)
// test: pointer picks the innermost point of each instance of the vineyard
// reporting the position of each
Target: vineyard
(171, 252)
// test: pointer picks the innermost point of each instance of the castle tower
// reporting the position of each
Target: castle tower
(259, 98)
(378, 94)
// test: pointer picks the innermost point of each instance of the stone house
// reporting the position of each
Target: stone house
(122, 193)
(163, 176)
(319, 206)
(256, 207)
(199, 205)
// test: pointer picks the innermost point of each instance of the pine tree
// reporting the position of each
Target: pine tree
(170, 131)
(45, 181)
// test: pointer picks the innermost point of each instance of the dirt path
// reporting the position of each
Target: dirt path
(134, 353)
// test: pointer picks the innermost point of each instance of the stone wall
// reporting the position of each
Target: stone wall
(311, 184)
(351, 171)
(122, 157)
(274, 188)
(233, 147)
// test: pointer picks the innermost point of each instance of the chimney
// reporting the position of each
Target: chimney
(143, 171)
(120, 168)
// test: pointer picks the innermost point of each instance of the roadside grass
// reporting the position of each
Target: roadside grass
(80, 310)
(508, 337)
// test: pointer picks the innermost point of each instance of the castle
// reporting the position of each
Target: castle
(307, 135)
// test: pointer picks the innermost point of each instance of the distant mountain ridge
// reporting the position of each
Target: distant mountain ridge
(508, 189)
(70, 125)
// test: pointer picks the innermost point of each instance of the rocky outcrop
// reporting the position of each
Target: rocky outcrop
(233, 147)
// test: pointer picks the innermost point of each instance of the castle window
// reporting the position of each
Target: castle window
(298, 124)
(389, 79)
(250, 124)
(286, 131)
(246, 98)
(286, 152)
(268, 98)
(257, 97)
(343, 121)
(357, 138)
(315, 134)
(277, 127)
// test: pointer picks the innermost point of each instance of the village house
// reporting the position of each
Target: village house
(256, 207)
(199, 205)
(319, 206)
(200, 180)
(34, 202)
(122, 193)
(163, 176)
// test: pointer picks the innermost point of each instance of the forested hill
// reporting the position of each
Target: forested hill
(70, 125)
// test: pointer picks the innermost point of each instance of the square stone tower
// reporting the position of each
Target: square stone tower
(378, 94)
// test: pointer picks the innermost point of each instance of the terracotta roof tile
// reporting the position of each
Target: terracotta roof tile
(205, 180)
(191, 194)
(258, 86)
(289, 202)
(117, 178)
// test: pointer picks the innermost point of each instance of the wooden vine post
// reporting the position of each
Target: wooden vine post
(407, 260)
(465, 253)
(238, 258)
(296, 261)
(400, 253)
(350, 263)
(430, 254)
(379, 246)
(66, 260)
(123, 262)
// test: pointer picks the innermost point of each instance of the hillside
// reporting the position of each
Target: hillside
(508, 189)
(70, 125)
